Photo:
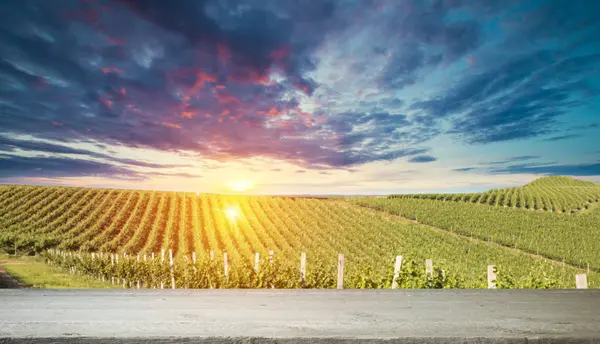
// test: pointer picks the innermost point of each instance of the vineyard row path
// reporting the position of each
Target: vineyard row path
(394, 217)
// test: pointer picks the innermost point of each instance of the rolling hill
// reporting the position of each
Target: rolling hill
(555, 194)
(460, 237)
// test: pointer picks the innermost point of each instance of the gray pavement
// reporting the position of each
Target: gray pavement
(301, 316)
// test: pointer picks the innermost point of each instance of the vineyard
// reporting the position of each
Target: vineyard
(569, 238)
(555, 194)
(35, 219)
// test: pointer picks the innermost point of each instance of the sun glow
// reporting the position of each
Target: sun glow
(240, 185)
(232, 214)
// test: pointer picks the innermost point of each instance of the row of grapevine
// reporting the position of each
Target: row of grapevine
(160, 271)
(572, 239)
(142, 222)
(554, 194)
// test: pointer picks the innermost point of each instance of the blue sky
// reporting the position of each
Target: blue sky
(331, 97)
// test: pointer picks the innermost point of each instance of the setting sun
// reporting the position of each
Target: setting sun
(232, 213)
(240, 185)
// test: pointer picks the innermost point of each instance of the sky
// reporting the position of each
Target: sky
(299, 97)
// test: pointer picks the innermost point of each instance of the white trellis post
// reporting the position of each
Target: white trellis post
(340, 276)
(491, 276)
(581, 281)
(303, 268)
(429, 267)
(112, 263)
(162, 262)
(116, 263)
(256, 261)
(397, 267)
(172, 266)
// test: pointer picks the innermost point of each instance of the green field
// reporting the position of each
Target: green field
(530, 248)
(32, 272)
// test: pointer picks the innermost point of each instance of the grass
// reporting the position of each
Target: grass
(32, 272)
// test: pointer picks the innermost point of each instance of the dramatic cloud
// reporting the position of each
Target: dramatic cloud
(322, 85)
(10, 145)
(50, 167)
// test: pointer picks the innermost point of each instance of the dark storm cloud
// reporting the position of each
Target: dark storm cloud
(194, 76)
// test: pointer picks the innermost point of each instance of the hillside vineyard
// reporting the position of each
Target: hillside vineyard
(555, 194)
(461, 238)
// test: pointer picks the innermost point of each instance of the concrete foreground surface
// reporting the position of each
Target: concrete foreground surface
(300, 316)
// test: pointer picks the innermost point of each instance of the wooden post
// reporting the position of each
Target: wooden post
(225, 265)
(212, 255)
(172, 265)
(256, 261)
(152, 255)
(491, 276)
(581, 281)
(428, 267)
(340, 276)
(397, 268)
(302, 268)
(162, 263)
